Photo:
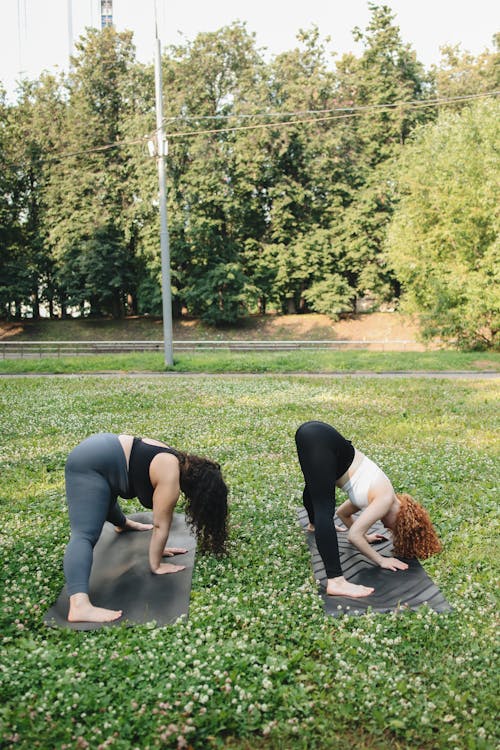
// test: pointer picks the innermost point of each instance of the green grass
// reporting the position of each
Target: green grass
(262, 362)
(257, 665)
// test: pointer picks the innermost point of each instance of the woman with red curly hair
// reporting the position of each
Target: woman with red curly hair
(328, 461)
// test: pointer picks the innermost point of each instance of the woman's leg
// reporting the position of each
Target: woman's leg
(319, 467)
(90, 502)
(88, 496)
(307, 503)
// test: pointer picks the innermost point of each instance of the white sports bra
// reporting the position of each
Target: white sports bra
(363, 479)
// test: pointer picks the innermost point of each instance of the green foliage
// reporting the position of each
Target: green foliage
(220, 295)
(213, 195)
(386, 73)
(90, 195)
(443, 241)
(332, 295)
(288, 210)
(28, 132)
(257, 664)
(460, 74)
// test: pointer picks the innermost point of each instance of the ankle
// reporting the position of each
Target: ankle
(337, 581)
(76, 601)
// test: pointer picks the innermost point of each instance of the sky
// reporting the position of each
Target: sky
(34, 34)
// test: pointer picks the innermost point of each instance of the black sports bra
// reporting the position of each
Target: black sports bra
(141, 456)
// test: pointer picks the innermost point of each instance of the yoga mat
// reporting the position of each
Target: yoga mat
(400, 590)
(121, 578)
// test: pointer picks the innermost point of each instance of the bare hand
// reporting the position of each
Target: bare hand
(372, 538)
(392, 563)
(171, 551)
(168, 568)
(310, 527)
(131, 525)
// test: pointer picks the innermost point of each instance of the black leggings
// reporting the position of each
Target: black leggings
(96, 473)
(324, 455)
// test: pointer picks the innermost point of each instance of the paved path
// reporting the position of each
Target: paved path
(450, 374)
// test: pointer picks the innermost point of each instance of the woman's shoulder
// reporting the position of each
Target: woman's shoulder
(153, 441)
(164, 470)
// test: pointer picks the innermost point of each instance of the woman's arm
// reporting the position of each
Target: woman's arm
(357, 533)
(162, 519)
(164, 475)
(345, 513)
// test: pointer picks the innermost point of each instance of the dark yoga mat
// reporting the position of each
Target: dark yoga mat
(121, 578)
(400, 590)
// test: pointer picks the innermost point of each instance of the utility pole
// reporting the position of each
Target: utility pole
(70, 30)
(164, 239)
(106, 13)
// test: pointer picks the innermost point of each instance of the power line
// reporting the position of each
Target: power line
(22, 31)
(95, 149)
(355, 112)
(234, 116)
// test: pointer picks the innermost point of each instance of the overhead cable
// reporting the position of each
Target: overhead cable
(345, 113)
(242, 115)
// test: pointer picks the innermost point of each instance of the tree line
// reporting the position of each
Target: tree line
(294, 183)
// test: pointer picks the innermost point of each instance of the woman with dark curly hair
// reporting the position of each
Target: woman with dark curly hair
(106, 466)
(328, 461)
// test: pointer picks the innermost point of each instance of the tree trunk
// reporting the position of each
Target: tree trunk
(131, 304)
(36, 307)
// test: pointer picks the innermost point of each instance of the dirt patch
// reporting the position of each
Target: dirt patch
(395, 331)
(391, 330)
(7, 330)
(484, 364)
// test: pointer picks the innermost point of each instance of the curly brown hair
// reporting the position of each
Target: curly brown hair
(413, 532)
(206, 500)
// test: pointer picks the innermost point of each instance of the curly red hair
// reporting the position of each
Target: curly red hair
(413, 532)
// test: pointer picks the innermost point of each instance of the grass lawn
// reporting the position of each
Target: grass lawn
(262, 362)
(257, 665)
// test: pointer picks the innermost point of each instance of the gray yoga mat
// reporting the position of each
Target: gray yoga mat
(121, 578)
(400, 590)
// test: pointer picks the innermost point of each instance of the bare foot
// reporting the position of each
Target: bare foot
(134, 526)
(81, 610)
(341, 587)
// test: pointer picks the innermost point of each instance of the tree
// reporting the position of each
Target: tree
(91, 191)
(460, 74)
(12, 281)
(386, 75)
(305, 179)
(214, 206)
(31, 132)
(443, 239)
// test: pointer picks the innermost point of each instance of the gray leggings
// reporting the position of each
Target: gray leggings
(96, 473)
